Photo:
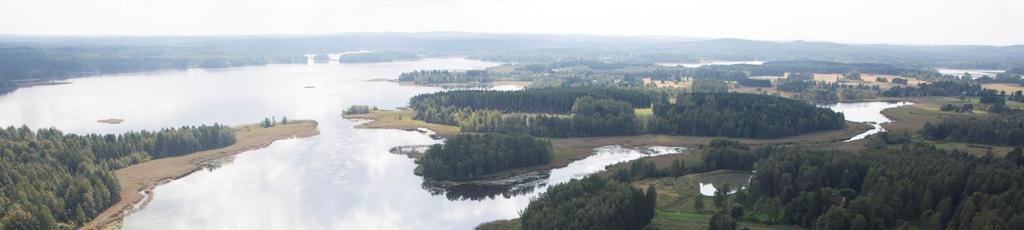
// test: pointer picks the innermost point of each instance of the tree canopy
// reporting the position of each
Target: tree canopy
(50, 179)
(469, 156)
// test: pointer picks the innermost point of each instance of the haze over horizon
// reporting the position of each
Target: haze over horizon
(915, 22)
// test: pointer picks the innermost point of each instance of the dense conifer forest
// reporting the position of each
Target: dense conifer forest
(591, 203)
(740, 115)
(52, 180)
(6, 86)
(999, 129)
(580, 112)
(469, 156)
(445, 76)
(881, 189)
(942, 88)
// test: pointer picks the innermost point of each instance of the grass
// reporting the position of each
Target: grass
(677, 220)
(675, 207)
(912, 119)
(1008, 87)
(400, 119)
(643, 113)
(143, 177)
(512, 224)
(584, 145)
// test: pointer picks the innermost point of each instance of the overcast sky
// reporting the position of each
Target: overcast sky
(992, 22)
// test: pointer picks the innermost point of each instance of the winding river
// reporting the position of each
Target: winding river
(345, 178)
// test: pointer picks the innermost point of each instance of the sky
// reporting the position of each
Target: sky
(920, 22)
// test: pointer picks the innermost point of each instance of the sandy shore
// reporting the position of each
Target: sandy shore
(142, 178)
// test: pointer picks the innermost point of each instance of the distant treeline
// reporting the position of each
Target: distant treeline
(446, 76)
(359, 109)
(591, 203)
(377, 56)
(998, 129)
(778, 68)
(581, 112)
(6, 86)
(547, 100)
(470, 156)
(52, 180)
(46, 62)
(942, 88)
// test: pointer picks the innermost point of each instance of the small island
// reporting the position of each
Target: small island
(474, 156)
(112, 121)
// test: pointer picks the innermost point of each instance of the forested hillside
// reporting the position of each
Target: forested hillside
(52, 180)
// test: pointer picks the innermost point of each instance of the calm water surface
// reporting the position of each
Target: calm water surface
(344, 178)
(867, 112)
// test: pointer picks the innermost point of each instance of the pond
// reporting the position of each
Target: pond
(711, 182)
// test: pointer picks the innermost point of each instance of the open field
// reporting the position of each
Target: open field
(643, 113)
(756, 90)
(912, 118)
(584, 145)
(667, 83)
(661, 162)
(675, 209)
(145, 176)
(867, 79)
(1008, 87)
(400, 119)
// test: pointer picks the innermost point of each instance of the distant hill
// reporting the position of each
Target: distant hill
(33, 57)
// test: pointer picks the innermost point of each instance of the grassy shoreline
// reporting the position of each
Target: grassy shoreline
(567, 150)
(142, 178)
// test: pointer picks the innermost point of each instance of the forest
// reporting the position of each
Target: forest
(740, 115)
(6, 86)
(997, 129)
(48, 62)
(583, 112)
(470, 156)
(445, 76)
(591, 203)
(52, 180)
(358, 109)
(882, 189)
(941, 88)
(440, 107)
(378, 56)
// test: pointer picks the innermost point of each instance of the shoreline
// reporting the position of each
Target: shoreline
(567, 150)
(138, 181)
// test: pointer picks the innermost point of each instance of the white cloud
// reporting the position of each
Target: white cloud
(863, 21)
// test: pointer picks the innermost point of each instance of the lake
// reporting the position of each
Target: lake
(345, 178)
(975, 73)
(707, 63)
